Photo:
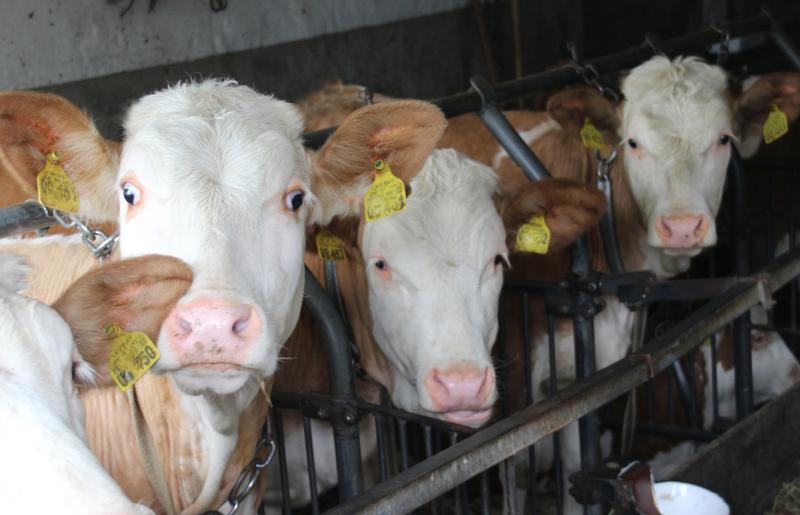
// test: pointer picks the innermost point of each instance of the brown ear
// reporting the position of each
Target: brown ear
(402, 134)
(570, 209)
(135, 294)
(753, 107)
(34, 124)
(571, 107)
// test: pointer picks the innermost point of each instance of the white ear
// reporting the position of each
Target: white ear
(14, 270)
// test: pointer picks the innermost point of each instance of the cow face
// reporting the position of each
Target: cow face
(675, 130)
(215, 175)
(38, 348)
(434, 273)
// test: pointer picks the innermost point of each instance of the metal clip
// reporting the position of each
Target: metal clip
(98, 242)
(589, 74)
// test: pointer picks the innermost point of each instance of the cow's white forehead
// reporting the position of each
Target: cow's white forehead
(219, 132)
(675, 103)
(450, 213)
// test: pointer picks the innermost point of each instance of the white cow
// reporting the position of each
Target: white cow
(47, 466)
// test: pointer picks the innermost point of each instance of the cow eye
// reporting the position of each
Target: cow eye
(380, 264)
(632, 143)
(724, 139)
(501, 260)
(294, 199)
(131, 193)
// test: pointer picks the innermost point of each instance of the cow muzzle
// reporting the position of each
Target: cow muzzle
(462, 394)
(212, 334)
(683, 231)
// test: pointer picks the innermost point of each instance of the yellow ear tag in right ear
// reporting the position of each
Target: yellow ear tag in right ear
(330, 247)
(386, 196)
(591, 136)
(534, 236)
(776, 125)
(55, 188)
(132, 354)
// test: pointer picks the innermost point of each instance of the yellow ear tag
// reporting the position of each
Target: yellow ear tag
(330, 247)
(534, 236)
(776, 126)
(132, 354)
(55, 188)
(591, 137)
(386, 196)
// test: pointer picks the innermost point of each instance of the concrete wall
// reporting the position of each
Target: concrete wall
(44, 42)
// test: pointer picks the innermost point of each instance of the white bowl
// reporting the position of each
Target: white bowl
(674, 498)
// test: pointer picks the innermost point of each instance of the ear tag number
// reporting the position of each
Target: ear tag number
(55, 188)
(330, 247)
(776, 126)
(534, 236)
(386, 196)
(132, 354)
(591, 136)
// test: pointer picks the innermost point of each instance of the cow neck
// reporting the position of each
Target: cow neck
(204, 454)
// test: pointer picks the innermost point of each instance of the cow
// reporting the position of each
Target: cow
(673, 131)
(215, 174)
(42, 439)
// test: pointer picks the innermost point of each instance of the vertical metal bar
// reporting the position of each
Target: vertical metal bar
(312, 470)
(342, 385)
(510, 481)
(714, 388)
(282, 466)
(380, 431)
(532, 504)
(505, 404)
(742, 359)
(557, 465)
(462, 505)
(484, 493)
(401, 428)
(428, 438)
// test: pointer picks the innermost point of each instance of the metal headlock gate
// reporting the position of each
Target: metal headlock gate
(427, 461)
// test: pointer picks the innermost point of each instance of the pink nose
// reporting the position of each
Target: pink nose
(208, 331)
(682, 231)
(461, 387)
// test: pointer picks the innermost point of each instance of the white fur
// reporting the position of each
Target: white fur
(42, 437)
(440, 306)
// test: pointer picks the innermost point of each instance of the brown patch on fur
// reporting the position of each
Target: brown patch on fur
(136, 294)
(32, 125)
(753, 106)
(330, 105)
(572, 106)
(724, 349)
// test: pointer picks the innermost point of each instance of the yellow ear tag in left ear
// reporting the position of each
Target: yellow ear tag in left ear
(386, 196)
(591, 137)
(330, 247)
(55, 188)
(132, 354)
(776, 125)
(534, 236)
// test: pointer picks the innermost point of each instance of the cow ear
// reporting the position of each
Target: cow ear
(136, 294)
(34, 124)
(754, 105)
(569, 208)
(347, 230)
(402, 134)
(571, 107)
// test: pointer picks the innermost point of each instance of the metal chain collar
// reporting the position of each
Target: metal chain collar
(97, 241)
(248, 477)
(590, 75)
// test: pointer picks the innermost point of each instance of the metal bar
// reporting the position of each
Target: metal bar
(528, 376)
(742, 353)
(24, 217)
(486, 448)
(781, 38)
(312, 469)
(383, 469)
(282, 466)
(683, 384)
(402, 429)
(342, 385)
(553, 387)
(484, 493)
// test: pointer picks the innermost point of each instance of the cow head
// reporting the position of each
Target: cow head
(37, 347)
(675, 129)
(434, 273)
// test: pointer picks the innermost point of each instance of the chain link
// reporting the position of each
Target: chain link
(97, 241)
(589, 74)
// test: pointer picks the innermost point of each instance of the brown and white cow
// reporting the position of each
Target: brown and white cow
(215, 174)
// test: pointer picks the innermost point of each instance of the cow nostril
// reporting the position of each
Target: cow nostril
(241, 325)
(185, 326)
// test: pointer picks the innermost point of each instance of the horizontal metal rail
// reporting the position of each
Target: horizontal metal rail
(24, 217)
(556, 78)
(431, 478)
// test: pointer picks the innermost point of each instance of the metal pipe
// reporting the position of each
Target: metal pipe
(24, 217)
(486, 448)
(342, 385)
